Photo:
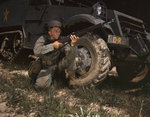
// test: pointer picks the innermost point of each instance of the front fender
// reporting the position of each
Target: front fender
(85, 18)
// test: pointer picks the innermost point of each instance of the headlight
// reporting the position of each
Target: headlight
(99, 10)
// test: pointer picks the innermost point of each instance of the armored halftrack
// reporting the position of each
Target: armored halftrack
(123, 43)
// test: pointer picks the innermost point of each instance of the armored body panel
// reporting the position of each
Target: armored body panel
(12, 13)
(31, 17)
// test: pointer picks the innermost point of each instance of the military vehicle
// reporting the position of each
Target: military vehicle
(123, 43)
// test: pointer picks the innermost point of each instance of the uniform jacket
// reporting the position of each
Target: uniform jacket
(44, 49)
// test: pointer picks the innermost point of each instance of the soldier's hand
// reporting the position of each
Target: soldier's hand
(57, 44)
(74, 39)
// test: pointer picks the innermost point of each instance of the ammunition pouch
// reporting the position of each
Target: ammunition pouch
(34, 69)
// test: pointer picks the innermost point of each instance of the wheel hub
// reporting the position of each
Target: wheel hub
(83, 59)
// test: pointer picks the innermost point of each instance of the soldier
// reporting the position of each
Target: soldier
(55, 56)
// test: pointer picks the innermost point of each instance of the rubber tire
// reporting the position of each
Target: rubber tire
(101, 63)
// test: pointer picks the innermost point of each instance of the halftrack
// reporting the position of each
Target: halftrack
(124, 43)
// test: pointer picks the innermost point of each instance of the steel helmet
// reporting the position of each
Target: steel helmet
(54, 23)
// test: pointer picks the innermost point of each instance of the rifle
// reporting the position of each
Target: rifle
(83, 31)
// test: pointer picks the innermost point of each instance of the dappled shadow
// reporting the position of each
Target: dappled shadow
(22, 96)
(137, 89)
(109, 98)
(134, 98)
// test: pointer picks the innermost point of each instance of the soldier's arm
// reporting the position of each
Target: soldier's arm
(40, 48)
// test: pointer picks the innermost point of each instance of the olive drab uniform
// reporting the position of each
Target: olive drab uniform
(52, 60)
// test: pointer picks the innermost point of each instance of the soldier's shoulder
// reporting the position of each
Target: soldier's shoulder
(43, 37)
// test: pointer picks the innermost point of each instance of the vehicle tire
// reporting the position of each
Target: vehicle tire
(133, 72)
(93, 57)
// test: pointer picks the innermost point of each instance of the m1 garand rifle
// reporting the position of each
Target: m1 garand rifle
(67, 39)
(36, 65)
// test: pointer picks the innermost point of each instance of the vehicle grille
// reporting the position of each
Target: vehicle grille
(131, 27)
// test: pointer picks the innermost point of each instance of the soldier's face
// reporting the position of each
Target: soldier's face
(54, 33)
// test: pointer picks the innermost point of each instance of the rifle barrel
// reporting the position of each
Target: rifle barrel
(83, 31)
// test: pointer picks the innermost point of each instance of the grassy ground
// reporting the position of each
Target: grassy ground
(110, 99)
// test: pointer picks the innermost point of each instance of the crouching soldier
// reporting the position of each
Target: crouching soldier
(54, 55)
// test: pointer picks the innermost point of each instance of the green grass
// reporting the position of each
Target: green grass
(24, 99)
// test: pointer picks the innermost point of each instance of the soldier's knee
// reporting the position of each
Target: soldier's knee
(44, 80)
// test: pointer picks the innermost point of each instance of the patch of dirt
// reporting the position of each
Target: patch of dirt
(115, 111)
(6, 111)
(67, 97)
